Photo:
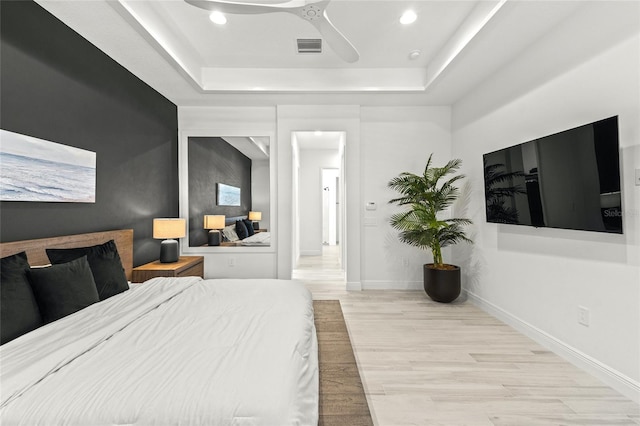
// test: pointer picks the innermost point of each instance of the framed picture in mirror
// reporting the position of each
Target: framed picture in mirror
(228, 195)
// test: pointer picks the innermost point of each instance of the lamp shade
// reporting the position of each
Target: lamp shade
(214, 221)
(169, 228)
(255, 216)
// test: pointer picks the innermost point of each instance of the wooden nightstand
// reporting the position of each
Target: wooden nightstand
(187, 266)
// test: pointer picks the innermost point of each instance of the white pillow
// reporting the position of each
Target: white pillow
(229, 233)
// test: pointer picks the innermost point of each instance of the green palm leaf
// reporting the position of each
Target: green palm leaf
(423, 197)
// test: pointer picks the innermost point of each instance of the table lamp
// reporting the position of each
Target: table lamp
(255, 217)
(214, 223)
(167, 229)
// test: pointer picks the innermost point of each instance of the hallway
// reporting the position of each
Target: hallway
(322, 274)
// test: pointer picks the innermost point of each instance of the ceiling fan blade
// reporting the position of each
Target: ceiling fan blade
(244, 8)
(338, 42)
(314, 12)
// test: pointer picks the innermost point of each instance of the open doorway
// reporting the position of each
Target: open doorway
(330, 206)
(318, 207)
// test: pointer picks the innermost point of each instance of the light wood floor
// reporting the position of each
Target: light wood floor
(425, 363)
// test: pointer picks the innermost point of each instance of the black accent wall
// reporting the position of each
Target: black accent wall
(213, 160)
(57, 86)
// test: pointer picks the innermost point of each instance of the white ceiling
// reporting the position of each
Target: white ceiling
(319, 140)
(254, 147)
(252, 60)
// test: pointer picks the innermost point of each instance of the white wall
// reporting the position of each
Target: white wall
(260, 191)
(535, 279)
(312, 161)
(396, 140)
(380, 142)
(295, 190)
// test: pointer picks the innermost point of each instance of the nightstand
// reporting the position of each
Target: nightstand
(186, 266)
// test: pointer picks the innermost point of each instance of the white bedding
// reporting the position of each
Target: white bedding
(174, 351)
(257, 239)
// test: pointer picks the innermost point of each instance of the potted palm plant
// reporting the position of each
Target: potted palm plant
(424, 197)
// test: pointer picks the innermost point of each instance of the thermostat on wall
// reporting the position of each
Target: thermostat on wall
(370, 205)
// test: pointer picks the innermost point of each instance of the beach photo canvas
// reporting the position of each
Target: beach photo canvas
(33, 169)
(228, 195)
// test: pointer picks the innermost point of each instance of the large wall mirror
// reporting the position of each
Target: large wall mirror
(228, 192)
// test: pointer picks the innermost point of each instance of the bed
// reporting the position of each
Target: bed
(259, 239)
(239, 232)
(168, 351)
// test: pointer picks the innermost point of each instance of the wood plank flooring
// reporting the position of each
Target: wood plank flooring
(424, 363)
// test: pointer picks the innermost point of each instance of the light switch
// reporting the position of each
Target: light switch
(371, 205)
(637, 177)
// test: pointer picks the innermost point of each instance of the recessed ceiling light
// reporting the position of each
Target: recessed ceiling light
(218, 18)
(317, 133)
(408, 17)
(414, 54)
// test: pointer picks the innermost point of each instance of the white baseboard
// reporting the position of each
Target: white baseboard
(310, 252)
(620, 382)
(354, 286)
(392, 285)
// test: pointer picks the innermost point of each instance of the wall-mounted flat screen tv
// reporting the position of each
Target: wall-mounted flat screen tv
(567, 180)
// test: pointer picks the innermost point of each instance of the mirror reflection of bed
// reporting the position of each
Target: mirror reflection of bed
(255, 236)
(236, 164)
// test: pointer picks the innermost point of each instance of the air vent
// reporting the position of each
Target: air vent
(309, 45)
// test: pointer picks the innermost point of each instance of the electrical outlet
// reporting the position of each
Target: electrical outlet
(583, 316)
(231, 262)
(637, 177)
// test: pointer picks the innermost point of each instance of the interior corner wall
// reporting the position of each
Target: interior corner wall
(58, 87)
(260, 191)
(537, 278)
(396, 140)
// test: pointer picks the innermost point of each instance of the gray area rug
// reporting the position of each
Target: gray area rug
(342, 397)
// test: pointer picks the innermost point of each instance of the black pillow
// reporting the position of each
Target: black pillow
(241, 230)
(105, 265)
(249, 226)
(19, 311)
(64, 288)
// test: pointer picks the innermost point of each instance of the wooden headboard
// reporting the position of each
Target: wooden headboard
(37, 256)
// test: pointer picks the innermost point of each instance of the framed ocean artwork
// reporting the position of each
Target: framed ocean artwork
(228, 195)
(33, 169)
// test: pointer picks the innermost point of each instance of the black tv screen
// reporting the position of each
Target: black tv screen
(567, 180)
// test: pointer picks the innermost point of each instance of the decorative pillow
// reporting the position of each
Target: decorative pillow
(105, 265)
(64, 288)
(19, 311)
(230, 234)
(249, 226)
(241, 230)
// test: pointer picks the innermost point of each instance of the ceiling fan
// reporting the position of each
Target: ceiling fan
(314, 12)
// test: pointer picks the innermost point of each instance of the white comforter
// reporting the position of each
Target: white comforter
(257, 239)
(174, 351)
